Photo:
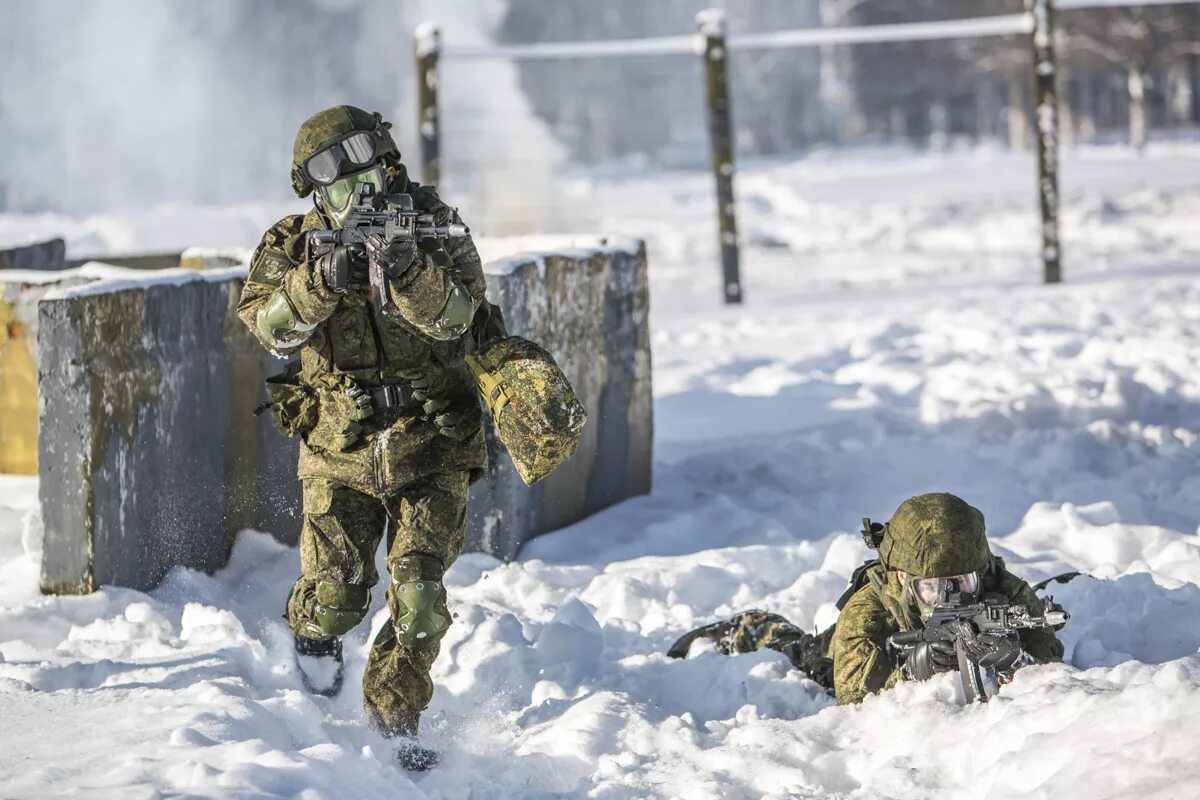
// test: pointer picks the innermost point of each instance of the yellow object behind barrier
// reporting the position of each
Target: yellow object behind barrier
(18, 396)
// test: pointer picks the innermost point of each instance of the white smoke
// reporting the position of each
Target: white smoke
(496, 154)
(128, 104)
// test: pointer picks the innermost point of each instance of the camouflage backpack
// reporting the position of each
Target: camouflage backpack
(538, 417)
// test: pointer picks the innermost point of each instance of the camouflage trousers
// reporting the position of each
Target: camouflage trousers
(425, 523)
(755, 629)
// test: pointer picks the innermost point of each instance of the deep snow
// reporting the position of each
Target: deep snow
(895, 341)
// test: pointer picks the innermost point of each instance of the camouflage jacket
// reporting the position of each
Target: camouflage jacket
(861, 661)
(349, 345)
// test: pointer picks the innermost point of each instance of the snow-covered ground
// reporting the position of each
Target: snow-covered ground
(895, 341)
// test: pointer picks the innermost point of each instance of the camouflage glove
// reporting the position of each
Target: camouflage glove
(928, 659)
(394, 257)
(354, 405)
(993, 651)
(341, 269)
(457, 419)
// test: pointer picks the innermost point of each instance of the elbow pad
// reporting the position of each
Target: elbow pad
(454, 318)
(278, 324)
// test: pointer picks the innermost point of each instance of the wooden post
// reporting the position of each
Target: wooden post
(1045, 106)
(428, 44)
(720, 137)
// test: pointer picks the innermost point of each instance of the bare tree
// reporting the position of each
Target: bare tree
(1141, 41)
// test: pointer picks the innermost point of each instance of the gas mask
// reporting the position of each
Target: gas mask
(337, 198)
(929, 593)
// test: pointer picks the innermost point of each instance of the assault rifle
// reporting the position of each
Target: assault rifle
(392, 217)
(960, 619)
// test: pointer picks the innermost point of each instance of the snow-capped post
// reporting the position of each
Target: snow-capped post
(720, 137)
(1045, 103)
(427, 46)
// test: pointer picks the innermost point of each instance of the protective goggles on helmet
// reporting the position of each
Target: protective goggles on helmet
(934, 591)
(348, 154)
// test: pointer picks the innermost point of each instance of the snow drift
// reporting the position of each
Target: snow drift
(862, 370)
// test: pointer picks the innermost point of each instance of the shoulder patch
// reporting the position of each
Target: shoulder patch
(270, 259)
(270, 266)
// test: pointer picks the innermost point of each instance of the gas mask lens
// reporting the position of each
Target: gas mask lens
(356, 150)
(933, 591)
(339, 195)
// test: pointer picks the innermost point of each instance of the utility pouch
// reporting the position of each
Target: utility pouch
(293, 404)
(537, 415)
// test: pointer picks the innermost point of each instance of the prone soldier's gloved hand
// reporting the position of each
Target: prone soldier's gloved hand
(927, 659)
(341, 269)
(393, 257)
(994, 651)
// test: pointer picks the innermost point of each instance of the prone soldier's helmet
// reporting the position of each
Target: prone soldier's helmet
(336, 150)
(938, 544)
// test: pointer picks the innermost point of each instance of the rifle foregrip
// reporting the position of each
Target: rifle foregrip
(906, 638)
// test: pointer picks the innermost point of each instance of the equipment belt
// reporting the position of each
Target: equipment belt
(389, 396)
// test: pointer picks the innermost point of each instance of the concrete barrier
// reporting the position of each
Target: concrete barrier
(48, 255)
(20, 291)
(149, 457)
(588, 304)
(148, 454)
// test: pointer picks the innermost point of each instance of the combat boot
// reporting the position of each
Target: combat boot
(319, 662)
(410, 755)
(415, 758)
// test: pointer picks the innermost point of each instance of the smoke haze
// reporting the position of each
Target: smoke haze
(119, 104)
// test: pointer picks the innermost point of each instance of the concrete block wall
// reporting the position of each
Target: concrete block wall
(148, 453)
(26, 274)
(47, 255)
(20, 291)
(149, 456)
(588, 304)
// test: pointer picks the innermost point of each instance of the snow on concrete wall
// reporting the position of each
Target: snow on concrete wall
(149, 456)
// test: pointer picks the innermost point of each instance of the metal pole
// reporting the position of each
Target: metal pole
(1045, 103)
(428, 45)
(720, 127)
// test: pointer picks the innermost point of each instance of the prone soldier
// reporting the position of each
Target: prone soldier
(936, 600)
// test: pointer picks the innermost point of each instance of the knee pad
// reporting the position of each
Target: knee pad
(421, 613)
(339, 607)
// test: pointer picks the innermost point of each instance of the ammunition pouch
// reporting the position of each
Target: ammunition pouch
(537, 415)
(293, 403)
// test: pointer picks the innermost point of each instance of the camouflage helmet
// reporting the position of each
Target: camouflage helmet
(935, 535)
(333, 123)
